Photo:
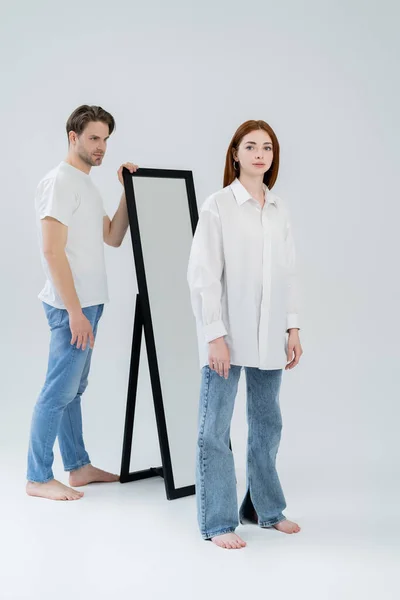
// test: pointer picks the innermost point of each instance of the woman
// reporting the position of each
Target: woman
(242, 282)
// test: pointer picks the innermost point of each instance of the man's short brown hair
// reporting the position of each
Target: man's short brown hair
(85, 114)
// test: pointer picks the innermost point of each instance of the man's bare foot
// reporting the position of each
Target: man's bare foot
(52, 490)
(89, 474)
(230, 541)
(287, 527)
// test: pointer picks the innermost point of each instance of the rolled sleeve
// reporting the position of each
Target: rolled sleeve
(292, 321)
(215, 330)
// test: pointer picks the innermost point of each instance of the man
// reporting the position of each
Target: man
(73, 227)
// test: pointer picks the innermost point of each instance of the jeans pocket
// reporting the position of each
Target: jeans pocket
(54, 315)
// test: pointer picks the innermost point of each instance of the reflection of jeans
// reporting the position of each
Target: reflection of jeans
(215, 479)
(58, 408)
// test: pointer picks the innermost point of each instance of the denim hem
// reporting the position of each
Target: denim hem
(265, 524)
(37, 481)
(246, 521)
(77, 466)
(208, 536)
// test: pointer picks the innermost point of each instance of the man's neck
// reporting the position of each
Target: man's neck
(78, 163)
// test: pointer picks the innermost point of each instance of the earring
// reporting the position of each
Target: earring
(234, 165)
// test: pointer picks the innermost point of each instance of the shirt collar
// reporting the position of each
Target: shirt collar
(242, 195)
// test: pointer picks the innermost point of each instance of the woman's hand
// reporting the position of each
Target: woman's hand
(219, 357)
(294, 349)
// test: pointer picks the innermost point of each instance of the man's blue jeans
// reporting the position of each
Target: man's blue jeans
(58, 409)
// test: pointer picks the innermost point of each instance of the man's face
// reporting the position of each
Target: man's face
(91, 145)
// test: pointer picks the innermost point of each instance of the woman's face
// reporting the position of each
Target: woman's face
(255, 153)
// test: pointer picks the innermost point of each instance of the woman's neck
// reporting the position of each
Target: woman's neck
(254, 185)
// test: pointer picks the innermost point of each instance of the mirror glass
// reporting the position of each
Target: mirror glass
(166, 237)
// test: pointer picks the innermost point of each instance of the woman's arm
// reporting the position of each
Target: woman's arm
(206, 265)
(295, 350)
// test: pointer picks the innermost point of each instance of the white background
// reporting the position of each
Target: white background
(179, 77)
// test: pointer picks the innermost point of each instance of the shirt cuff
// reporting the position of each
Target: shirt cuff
(292, 321)
(214, 330)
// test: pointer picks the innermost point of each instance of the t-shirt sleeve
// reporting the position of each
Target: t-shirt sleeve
(57, 200)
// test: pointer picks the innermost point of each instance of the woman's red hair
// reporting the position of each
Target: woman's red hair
(231, 173)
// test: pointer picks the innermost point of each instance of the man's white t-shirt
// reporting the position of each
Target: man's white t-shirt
(69, 195)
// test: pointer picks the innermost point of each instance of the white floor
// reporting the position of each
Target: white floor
(128, 541)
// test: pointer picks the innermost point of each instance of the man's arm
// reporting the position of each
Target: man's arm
(114, 230)
(55, 236)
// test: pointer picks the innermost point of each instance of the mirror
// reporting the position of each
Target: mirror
(163, 215)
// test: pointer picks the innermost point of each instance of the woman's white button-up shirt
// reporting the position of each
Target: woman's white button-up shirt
(242, 279)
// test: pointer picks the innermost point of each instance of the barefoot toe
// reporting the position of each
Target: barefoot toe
(52, 490)
(230, 541)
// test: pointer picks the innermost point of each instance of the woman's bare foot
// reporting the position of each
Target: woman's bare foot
(287, 527)
(230, 541)
(52, 490)
(89, 474)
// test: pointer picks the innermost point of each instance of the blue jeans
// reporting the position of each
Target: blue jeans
(217, 506)
(58, 409)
